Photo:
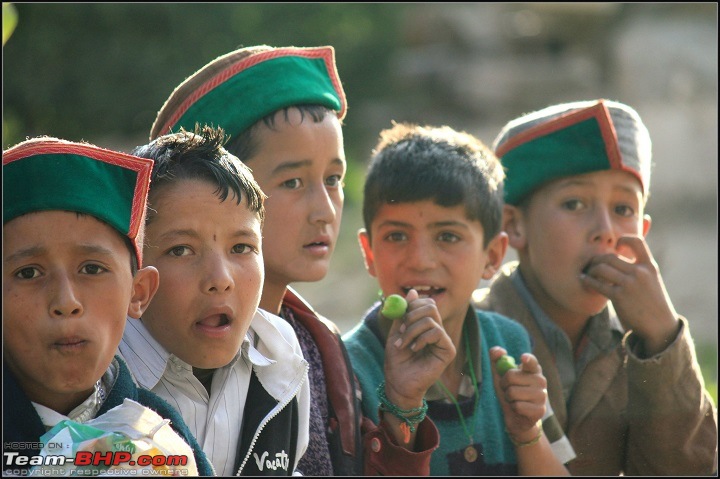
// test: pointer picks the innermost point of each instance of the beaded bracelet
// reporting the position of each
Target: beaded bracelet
(411, 417)
(531, 441)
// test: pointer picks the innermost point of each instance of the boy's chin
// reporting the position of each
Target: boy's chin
(216, 361)
(210, 359)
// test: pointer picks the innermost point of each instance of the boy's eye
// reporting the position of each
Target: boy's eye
(242, 248)
(292, 184)
(92, 269)
(179, 251)
(573, 205)
(625, 211)
(28, 273)
(335, 181)
(395, 236)
(448, 237)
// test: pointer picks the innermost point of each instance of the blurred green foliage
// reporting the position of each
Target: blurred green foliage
(83, 71)
(707, 355)
(9, 20)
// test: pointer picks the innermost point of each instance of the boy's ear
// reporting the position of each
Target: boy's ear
(647, 222)
(495, 254)
(366, 250)
(145, 285)
(512, 224)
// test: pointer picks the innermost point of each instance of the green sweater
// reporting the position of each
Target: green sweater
(496, 454)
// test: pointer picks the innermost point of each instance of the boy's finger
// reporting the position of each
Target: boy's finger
(607, 273)
(412, 295)
(430, 337)
(496, 352)
(637, 245)
(414, 332)
(529, 364)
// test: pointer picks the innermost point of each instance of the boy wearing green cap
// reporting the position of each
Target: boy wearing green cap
(620, 363)
(283, 108)
(73, 218)
(241, 387)
(432, 205)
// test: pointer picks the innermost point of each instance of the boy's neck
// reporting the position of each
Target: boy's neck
(574, 328)
(205, 377)
(572, 324)
(272, 297)
(62, 403)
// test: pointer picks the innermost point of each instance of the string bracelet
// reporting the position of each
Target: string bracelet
(531, 441)
(411, 417)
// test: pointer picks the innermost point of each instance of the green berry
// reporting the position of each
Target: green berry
(394, 306)
(505, 364)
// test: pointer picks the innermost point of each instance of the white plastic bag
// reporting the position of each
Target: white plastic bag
(128, 440)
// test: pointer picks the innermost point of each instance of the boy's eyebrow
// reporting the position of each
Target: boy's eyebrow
(579, 182)
(436, 224)
(628, 189)
(178, 232)
(444, 224)
(294, 165)
(243, 232)
(24, 253)
(34, 251)
(94, 249)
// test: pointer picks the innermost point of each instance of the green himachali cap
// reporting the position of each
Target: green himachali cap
(236, 90)
(46, 173)
(572, 139)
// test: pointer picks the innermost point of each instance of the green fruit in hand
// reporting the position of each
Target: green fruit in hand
(505, 364)
(394, 306)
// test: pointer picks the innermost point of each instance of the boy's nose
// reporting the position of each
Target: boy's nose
(218, 277)
(421, 255)
(603, 228)
(64, 302)
(322, 207)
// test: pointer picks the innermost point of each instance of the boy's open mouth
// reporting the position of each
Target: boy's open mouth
(214, 321)
(424, 291)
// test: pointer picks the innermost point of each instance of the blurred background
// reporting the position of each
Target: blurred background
(100, 72)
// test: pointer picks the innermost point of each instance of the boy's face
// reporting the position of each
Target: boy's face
(208, 253)
(434, 249)
(67, 288)
(566, 223)
(300, 166)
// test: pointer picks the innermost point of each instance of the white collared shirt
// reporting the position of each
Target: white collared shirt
(215, 419)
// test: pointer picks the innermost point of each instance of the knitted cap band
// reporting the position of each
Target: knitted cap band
(108, 185)
(259, 84)
(574, 143)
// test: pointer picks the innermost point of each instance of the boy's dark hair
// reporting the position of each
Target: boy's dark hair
(414, 163)
(245, 144)
(200, 155)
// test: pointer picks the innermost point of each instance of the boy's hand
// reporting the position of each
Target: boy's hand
(522, 394)
(417, 351)
(637, 292)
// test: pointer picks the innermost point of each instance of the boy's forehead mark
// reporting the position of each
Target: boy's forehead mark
(191, 233)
